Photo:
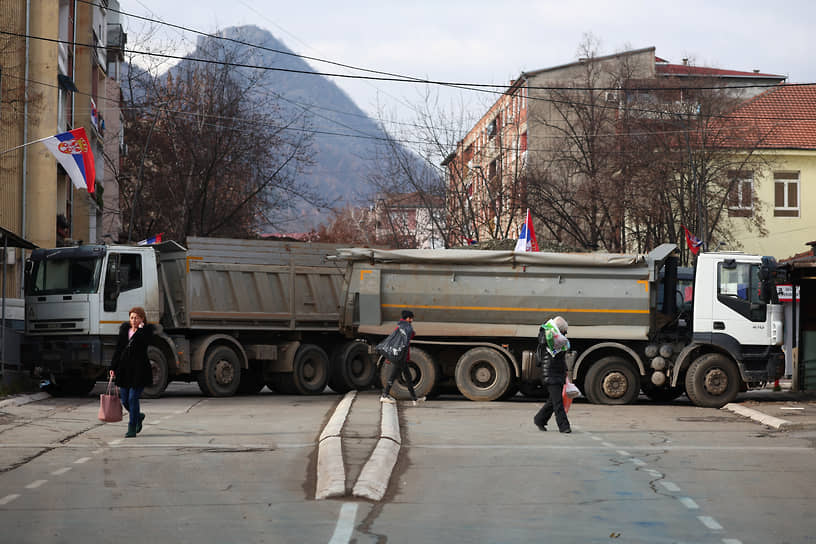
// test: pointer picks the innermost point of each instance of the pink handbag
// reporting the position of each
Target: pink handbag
(110, 408)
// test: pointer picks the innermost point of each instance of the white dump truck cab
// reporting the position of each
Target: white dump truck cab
(76, 299)
(737, 318)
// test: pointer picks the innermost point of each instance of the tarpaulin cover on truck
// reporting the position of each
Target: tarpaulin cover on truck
(470, 256)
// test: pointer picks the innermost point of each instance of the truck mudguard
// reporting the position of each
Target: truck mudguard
(199, 348)
(606, 345)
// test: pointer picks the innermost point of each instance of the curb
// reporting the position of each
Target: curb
(24, 399)
(373, 480)
(758, 416)
(331, 472)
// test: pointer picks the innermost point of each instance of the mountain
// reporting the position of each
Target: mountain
(345, 139)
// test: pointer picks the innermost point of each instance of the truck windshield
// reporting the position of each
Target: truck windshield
(70, 275)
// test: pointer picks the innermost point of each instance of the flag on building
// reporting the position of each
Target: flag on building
(527, 239)
(73, 151)
(152, 240)
(694, 243)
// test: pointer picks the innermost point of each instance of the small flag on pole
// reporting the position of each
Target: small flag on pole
(73, 151)
(694, 243)
(152, 240)
(527, 238)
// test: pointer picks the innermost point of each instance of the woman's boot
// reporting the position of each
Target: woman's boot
(139, 424)
(131, 432)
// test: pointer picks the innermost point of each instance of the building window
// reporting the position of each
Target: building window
(786, 194)
(742, 194)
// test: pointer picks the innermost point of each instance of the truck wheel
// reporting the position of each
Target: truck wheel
(310, 369)
(712, 381)
(352, 368)
(482, 374)
(423, 371)
(221, 374)
(252, 381)
(612, 380)
(158, 366)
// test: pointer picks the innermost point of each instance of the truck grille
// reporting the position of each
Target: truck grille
(56, 325)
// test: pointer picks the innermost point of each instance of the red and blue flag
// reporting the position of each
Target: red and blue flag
(694, 243)
(527, 238)
(73, 151)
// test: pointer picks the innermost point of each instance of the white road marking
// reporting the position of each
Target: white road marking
(710, 522)
(35, 484)
(8, 498)
(655, 473)
(596, 438)
(608, 445)
(345, 524)
(61, 471)
(624, 453)
(82, 460)
(638, 462)
(731, 541)
(115, 442)
(670, 486)
(97, 452)
(689, 503)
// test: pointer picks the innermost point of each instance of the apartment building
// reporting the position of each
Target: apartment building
(525, 129)
(61, 62)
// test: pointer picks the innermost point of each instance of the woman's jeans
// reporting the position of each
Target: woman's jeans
(130, 400)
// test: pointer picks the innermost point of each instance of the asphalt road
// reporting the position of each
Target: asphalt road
(242, 469)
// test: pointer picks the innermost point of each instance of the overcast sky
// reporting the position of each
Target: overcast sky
(477, 41)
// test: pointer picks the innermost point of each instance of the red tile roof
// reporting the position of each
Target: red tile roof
(785, 115)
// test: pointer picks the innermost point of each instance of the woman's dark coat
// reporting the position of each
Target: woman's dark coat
(130, 362)
(553, 368)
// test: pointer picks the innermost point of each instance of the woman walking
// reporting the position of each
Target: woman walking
(131, 367)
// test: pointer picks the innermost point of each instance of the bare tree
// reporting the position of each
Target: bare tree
(632, 158)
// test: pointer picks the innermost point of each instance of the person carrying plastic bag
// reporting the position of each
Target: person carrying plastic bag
(551, 356)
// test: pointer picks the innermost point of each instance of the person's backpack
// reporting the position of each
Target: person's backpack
(542, 354)
(394, 347)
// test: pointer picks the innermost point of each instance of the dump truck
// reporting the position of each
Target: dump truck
(478, 313)
(233, 315)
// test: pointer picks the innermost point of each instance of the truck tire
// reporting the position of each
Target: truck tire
(158, 366)
(221, 374)
(482, 374)
(352, 368)
(310, 372)
(423, 370)
(612, 380)
(712, 381)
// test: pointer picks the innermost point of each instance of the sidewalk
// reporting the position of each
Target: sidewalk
(782, 410)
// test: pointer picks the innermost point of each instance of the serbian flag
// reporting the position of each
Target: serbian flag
(694, 243)
(527, 239)
(73, 151)
(152, 240)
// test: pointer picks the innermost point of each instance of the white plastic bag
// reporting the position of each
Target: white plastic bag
(571, 390)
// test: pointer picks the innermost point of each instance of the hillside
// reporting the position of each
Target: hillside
(345, 139)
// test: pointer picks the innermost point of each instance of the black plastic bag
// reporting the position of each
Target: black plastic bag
(395, 346)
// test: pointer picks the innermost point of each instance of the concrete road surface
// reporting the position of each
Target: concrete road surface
(242, 469)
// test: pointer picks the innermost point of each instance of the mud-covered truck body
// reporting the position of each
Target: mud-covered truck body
(234, 315)
(478, 313)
